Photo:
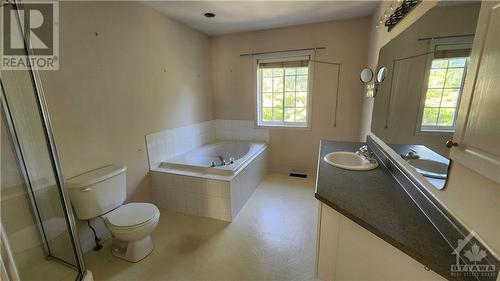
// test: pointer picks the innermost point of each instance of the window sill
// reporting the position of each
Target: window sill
(280, 126)
(435, 132)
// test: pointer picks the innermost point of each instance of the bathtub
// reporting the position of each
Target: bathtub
(189, 184)
(202, 159)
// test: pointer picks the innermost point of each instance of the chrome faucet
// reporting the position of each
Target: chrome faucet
(365, 153)
(222, 162)
(411, 154)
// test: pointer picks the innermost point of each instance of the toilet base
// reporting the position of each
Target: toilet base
(132, 251)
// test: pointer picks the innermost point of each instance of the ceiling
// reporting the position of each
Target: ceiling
(241, 16)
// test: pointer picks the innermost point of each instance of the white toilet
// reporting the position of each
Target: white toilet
(101, 193)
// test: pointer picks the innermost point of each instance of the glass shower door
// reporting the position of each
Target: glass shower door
(36, 221)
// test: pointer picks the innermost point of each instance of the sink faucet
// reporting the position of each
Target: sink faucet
(222, 162)
(411, 154)
(365, 153)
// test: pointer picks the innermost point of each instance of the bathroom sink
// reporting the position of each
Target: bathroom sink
(430, 168)
(349, 161)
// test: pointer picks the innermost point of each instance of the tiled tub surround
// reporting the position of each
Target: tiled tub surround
(218, 192)
(170, 143)
(173, 142)
(202, 196)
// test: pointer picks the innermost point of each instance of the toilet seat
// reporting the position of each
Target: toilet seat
(132, 215)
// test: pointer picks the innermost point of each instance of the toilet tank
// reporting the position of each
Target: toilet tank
(98, 191)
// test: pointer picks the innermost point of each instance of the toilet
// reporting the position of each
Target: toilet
(101, 193)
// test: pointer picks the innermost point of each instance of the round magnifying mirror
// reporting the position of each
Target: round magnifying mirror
(381, 73)
(366, 75)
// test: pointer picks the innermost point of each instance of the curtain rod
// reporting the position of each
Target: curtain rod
(282, 51)
(444, 37)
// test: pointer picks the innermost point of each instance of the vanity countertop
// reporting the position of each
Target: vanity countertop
(376, 201)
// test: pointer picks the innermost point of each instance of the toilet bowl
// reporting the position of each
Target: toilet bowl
(131, 226)
(101, 193)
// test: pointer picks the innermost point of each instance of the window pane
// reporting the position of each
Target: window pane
(301, 83)
(454, 78)
(433, 98)
(277, 84)
(290, 99)
(267, 72)
(267, 84)
(450, 98)
(289, 83)
(458, 62)
(277, 114)
(443, 92)
(278, 100)
(290, 71)
(267, 114)
(436, 78)
(439, 63)
(430, 116)
(267, 100)
(301, 99)
(284, 95)
(300, 115)
(277, 72)
(302, 70)
(289, 114)
(446, 116)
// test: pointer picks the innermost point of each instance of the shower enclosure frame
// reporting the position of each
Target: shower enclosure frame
(53, 154)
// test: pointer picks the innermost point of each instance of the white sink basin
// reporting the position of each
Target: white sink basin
(430, 168)
(349, 161)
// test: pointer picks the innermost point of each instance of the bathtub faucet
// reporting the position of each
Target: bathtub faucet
(222, 162)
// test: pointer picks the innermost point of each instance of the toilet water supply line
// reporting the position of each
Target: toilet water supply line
(97, 240)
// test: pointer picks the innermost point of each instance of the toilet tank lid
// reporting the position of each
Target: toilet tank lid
(95, 176)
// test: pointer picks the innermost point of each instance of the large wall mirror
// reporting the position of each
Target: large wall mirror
(416, 106)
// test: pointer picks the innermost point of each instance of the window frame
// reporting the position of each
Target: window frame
(282, 57)
(445, 44)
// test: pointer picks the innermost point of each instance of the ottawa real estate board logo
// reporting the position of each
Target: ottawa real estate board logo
(471, 259)
(34, 23)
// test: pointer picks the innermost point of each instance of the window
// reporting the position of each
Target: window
(446, 76)
(283, 94)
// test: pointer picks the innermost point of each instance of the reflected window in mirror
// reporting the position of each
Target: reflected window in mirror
(446, 73)
(416, 107)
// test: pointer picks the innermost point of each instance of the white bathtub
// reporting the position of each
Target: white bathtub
(188, 184)
(201, 159)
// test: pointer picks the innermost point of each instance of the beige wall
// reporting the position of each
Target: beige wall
(125, 71)
(345, 41)
(472, 198)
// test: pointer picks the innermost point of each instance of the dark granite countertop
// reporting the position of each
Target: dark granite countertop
(376, 201)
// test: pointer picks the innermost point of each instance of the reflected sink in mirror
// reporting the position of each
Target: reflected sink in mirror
(430, 168)
(426, 162)
(350, 161)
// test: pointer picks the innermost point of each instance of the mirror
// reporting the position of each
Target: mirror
(422, 72)
(366, 75)
(381, 73)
